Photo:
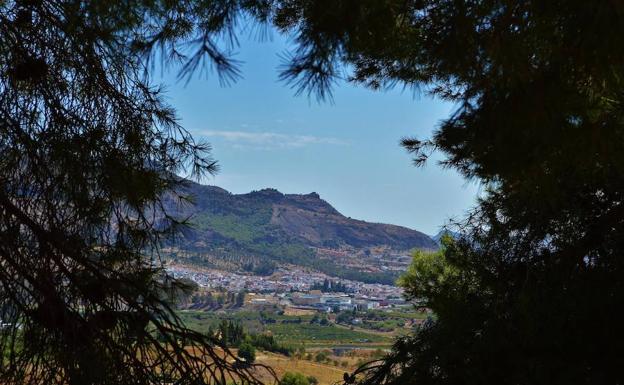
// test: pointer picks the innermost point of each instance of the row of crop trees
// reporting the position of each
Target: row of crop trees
(328, 286)
(213, 300)
(189, 295)
(232, 334)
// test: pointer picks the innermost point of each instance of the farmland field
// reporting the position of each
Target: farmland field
(325, 374)
(290, 330)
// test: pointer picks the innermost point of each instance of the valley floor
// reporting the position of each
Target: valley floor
(326, 374)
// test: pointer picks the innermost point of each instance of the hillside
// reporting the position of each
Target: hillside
(258, 230)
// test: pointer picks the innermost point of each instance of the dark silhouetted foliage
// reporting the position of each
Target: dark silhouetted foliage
(530, 293)
(88, 150)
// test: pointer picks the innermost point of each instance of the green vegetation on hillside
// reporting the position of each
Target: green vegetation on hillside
(294, 379)
(241, 232)
(290, 331)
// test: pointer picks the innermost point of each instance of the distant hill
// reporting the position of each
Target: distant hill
(261, 229)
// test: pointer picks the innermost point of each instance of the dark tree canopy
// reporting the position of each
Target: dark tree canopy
(88, 149)
(538, 276)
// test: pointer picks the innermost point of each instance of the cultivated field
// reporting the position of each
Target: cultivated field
(324, 373)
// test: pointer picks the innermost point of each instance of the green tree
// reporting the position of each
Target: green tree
(344, 317)
(321, 356)
(290, 378)
(240, 299)
(247, 352)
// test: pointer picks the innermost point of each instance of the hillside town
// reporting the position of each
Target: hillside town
(296, 288)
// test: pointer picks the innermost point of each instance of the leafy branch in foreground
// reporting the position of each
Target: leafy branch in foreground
(88, 151)
(539, 121)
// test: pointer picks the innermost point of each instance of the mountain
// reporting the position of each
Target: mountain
(262, 229)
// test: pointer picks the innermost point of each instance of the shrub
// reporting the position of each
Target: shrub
(321, 356)
(247, 352)
(290, 378)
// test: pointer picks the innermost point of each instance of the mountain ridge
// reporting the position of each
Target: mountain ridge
(266, 226)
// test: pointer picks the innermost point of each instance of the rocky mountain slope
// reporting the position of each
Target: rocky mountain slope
(265, 228)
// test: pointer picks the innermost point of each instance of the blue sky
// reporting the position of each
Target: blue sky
(347, 151)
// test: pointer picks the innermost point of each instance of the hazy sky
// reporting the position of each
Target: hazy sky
(347, 151)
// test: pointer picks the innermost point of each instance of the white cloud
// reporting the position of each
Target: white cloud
(269, 140)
